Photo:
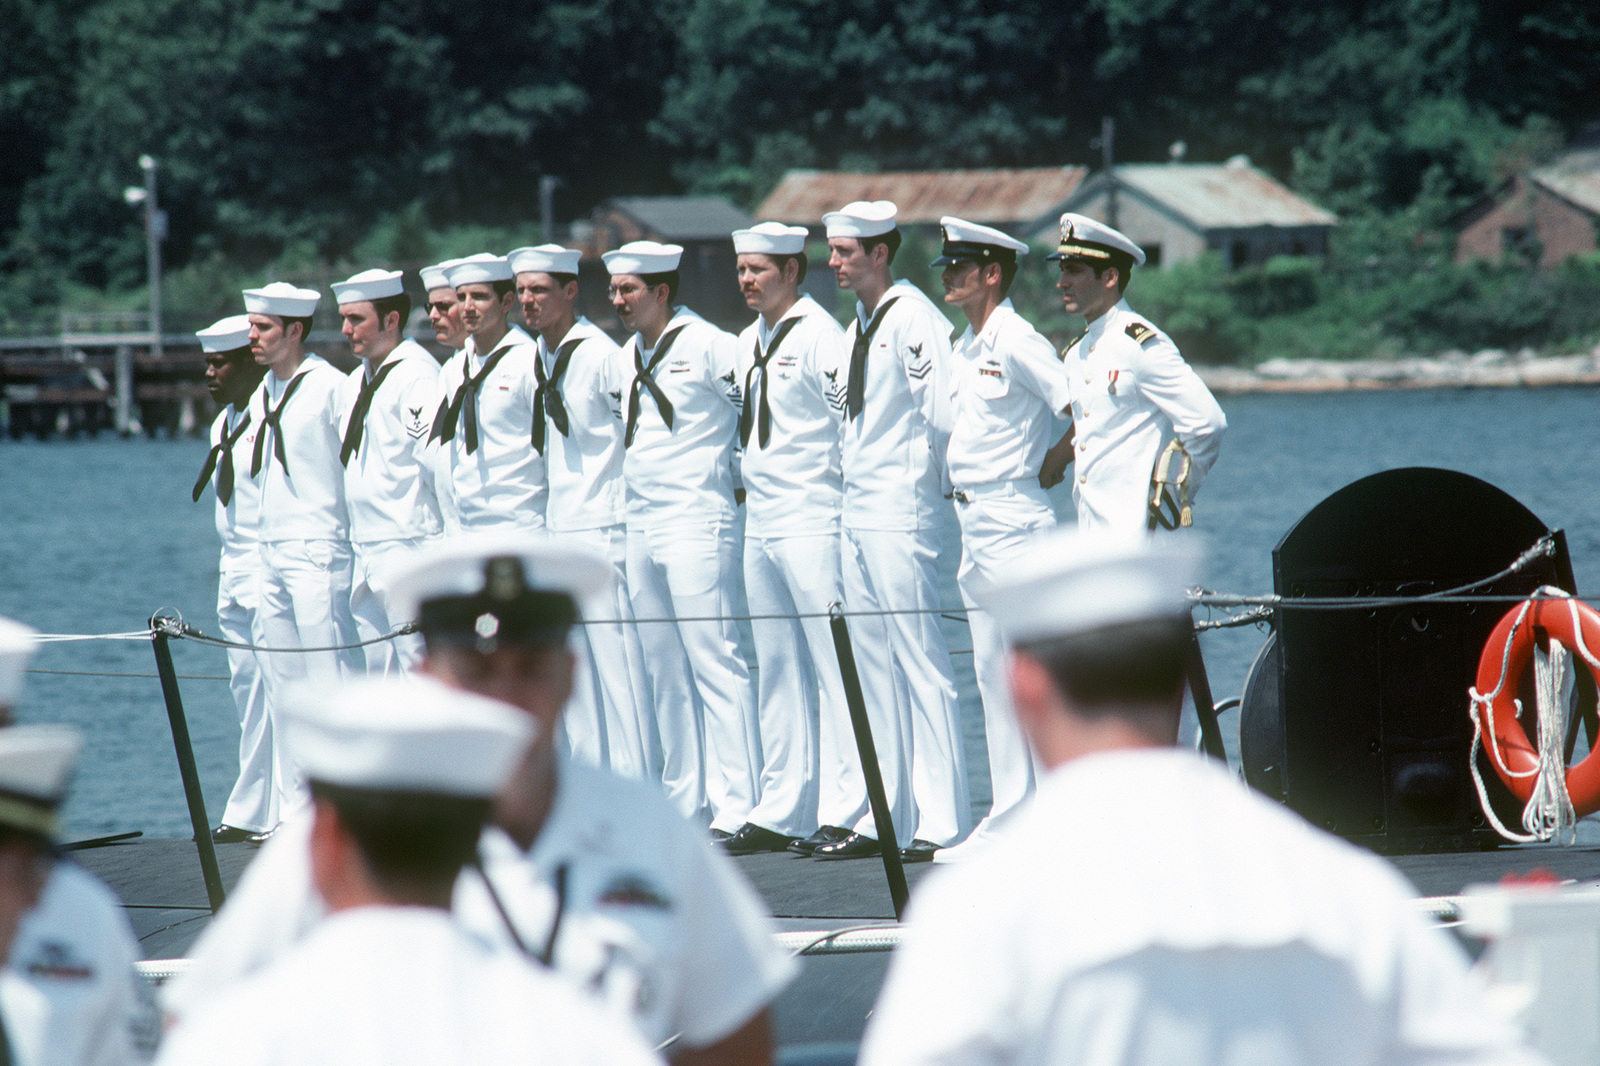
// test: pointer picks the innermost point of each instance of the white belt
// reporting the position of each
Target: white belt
(987, 489)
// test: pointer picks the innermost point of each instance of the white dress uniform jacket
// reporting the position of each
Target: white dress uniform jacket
(1007, 389)
(501, 483)
(397, 986)
(251, 804)
(302, 483)
(794, 491)
(1131, 394)
(389, 479)
(638, 879)
(70, 993)
(584, 463)
(1225, 930)
(683, 473)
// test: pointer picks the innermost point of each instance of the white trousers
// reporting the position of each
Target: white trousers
(699, 683)
(996, 523)
(253, 803)
(907, 683)
(304, 603)
(371, 605)
(608, 720)
(806, 745)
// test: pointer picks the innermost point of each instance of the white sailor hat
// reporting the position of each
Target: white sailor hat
(1084, 238)
(967, 241)
(437, 276)
(410, 734)
(281, 299)
(863, 218)
(770, 238)
(480, 269)
(17, 645)
(225, 334)
(643, 257)
(369, 285)
(36, 763)
(1067, 581)
(544, 259)
(486, 587)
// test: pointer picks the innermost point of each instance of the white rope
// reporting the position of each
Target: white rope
(63, 638)
(1549, 813)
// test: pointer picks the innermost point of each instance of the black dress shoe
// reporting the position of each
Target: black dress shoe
(854, 846)
(232, 834)
(919, 851)
(828, 834)
(752, 838)
(719, 835)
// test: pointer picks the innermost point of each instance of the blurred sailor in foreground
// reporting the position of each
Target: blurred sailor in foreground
(788, 357)
(1007, 389)
(403, 774)
(1190, 921)
(1132, 393)
(577, 427)
(389, 404)
(69, 995)
(597, 873)
(232, 375)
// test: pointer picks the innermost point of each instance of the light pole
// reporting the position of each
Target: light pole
(155, 231)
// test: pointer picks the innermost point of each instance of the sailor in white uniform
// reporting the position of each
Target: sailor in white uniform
(389, 978)
(232, 376)
(485, 418)
(680, 425)
(1219, 928)
(304, 529)
(69, 994)
(1132, 393)
(597, 874)
(390, 401)
(1007, 389)
(893, 405)
(577, 428)
(444, 315)
(793, 493)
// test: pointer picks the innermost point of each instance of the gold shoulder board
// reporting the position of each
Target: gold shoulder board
(1141, 332)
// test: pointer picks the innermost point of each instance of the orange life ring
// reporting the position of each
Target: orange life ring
(1577, 626)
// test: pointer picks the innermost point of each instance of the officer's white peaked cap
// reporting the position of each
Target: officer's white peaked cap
(225, 334)
(36, 763)
(643, 257)
(480, 269)
(1084, 238)
(437, 276)
(965, 241)
(1065, 581)
(863, 218)
(17, 645)
(770, 238)
(369, 285)
(458, 566)
(544, 259)
(281, 299)
(411, 734)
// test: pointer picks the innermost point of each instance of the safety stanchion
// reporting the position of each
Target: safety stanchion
(888, 843)
(186, 765)
(1204, 708)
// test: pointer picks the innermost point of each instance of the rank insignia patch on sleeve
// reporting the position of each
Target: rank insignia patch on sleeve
(1141, 332)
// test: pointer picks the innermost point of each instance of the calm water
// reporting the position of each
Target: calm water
(100, 534)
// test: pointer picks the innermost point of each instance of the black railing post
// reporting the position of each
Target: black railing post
(1204, 708)
(888, 843)
(186, 767)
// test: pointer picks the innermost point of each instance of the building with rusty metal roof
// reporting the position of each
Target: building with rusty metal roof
(1543, 216)
(1018, 201)
(1178, 211)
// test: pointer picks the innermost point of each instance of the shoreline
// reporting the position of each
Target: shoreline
(1491, 369)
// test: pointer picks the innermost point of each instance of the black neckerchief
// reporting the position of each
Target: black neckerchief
(856, 385)
(644, 378)
(270, 420)
(547, 397)
(358, 413)
(748, 416)
(457, 409)
(220, 459)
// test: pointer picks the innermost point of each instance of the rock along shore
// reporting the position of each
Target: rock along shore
(1483, 370)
